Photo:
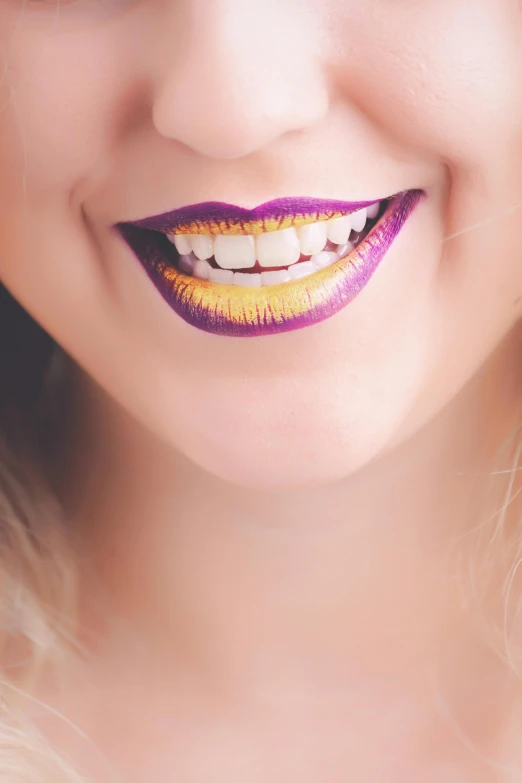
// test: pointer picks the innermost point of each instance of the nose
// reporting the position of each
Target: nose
(236, 75)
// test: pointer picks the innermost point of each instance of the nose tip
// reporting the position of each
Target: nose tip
(232, 94)
(234, 120)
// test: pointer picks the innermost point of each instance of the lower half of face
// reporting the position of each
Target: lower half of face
(380, 272)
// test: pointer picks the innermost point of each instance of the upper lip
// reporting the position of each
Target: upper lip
(212, 217)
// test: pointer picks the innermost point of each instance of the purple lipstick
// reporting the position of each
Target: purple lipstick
(216, 217)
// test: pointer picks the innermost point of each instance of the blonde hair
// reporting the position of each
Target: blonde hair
(37, 573)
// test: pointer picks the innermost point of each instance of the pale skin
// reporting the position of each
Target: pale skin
(265, 525)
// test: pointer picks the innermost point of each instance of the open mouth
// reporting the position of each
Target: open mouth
(285, 265)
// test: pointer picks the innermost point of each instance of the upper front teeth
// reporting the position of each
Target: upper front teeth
(273, 248)
(278, 248)
(313, 237)
(236, 251)
(339, 230)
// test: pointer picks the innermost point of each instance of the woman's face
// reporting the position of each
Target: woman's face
(119, 110)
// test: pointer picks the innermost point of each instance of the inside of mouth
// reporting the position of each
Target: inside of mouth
(184, 264)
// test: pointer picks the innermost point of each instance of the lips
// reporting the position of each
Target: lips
(246, 311)
(216, 217)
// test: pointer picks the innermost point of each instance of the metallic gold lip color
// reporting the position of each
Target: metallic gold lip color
(236, 311)
(217, 217)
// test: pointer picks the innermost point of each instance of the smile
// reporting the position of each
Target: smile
(284, 265)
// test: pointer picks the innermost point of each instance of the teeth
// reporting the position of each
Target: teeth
(339, 229)
(373, 211)
(182, 243)
(302, 270)
(312, 238)
(278, 248)
(202, 245)
(201, 269)
(235, 252)
(358, 220)
(272, 249)
(343, 250)
(250, 279)
(274, 278)
(224, 276)
(321, 260)
(186, 264)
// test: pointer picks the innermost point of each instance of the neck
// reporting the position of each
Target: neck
(364, 576)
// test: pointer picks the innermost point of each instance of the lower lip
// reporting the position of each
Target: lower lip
(234, 311)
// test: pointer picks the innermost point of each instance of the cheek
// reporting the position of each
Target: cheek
(63, 110)
(65, 105)
(64, 101)
(444, 75)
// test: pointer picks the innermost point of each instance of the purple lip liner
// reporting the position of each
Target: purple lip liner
(278, 209)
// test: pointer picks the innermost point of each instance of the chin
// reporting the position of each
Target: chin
(276, 457)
